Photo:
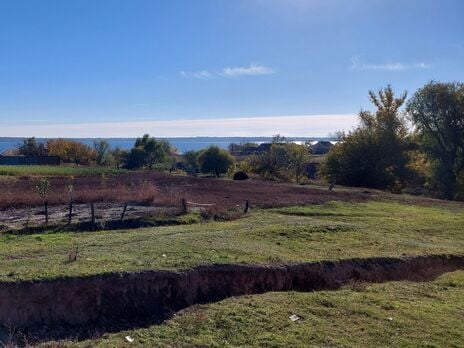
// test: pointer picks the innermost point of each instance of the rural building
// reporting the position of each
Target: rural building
(321, 147)
(29, 160)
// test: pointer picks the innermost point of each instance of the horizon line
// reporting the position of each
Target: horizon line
(317, 125)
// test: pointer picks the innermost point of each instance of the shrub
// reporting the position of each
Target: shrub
(216, 161)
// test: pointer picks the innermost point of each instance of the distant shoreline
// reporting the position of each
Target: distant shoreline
(182, 144)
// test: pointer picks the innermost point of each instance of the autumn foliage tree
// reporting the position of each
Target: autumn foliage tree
(70, 151)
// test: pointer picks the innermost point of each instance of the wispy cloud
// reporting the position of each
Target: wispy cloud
(293, 125)
(252, 69)
(203, 74)
(356, 64)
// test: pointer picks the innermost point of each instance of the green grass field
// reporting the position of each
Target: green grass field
(6, 170)
(318, 232)
(395, 314)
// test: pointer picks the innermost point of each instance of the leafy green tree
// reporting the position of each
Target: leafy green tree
(374, 154)
(149, 152)
(271, 163)
(191, 160)
(31, 147)
(282, 160)
(437, 111)
(118, 157)
(102, 152)
(215, 160)
(136, 158)
(298, 157)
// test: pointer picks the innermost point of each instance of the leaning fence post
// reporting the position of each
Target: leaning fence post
(184, 206)
(123, 211)
(247, 206)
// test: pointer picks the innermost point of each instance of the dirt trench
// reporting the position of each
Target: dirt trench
(106, 300)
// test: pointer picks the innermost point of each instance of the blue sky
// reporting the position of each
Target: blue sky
(120, 68)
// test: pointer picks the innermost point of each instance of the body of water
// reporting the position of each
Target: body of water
(181, 144)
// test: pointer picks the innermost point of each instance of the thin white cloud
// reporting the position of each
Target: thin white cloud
(251, 70)
(297, 125)
(203, 74)
(356, 64)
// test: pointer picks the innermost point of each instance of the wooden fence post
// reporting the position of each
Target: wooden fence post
(70, 212)
(247, 206)
(123, 211)
(184, 206)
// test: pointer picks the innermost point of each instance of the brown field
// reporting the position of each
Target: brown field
(160, 189)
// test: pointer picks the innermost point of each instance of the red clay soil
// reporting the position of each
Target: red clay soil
(111, 299)
(167, 190)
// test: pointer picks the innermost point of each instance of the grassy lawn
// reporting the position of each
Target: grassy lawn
(317, 232)
(6, 170)
(396, 314)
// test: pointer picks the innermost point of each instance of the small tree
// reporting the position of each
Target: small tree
(271, 164)
(136, 158)
(215, 160)
(298, 158)
(280, 139)
(31, 147)
(102, 152)
(191, 161)
(43, 187)
(149, 152)
(118, 157)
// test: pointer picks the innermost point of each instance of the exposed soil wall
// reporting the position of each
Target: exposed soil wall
(107, 299)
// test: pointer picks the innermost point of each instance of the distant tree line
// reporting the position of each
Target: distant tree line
(147, 152)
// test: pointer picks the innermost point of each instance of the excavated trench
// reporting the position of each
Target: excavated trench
(113, 299)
